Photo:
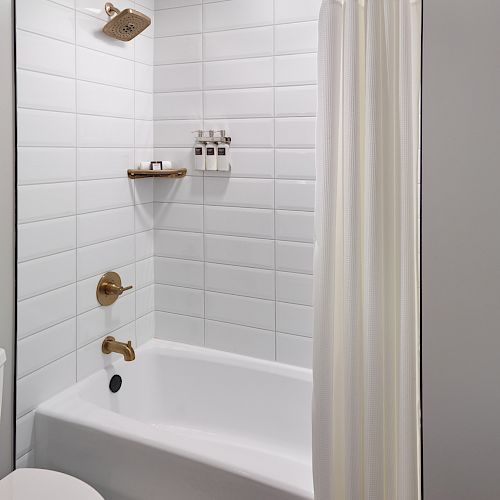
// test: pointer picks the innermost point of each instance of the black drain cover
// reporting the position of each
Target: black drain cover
(115, 383)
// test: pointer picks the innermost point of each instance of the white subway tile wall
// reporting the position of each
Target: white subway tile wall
(222, 260)
(234, 251)
(85, 115)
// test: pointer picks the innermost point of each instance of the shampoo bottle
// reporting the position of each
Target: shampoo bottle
(199, 152)
(211, 151)
(223, 160)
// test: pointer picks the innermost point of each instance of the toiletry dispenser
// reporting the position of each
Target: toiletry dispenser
(211, 158)
(200, 152)
(212, 151)
(223, 154)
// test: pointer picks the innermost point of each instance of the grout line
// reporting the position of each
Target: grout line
(203, 173)
(134, 187)
(274, 176)
(224, 89)
(76, 198)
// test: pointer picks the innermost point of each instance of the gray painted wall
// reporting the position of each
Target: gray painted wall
(7, 264)
(461, 249)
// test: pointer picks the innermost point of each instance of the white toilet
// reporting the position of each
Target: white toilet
(40, 484)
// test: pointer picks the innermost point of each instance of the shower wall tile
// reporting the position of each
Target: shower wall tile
(175, 133)
(180, 21)
(104, 100)
(45, 128)
(295, 132)
(292, 11)
(99, 258)
(179, 272)
(295, 164)
(58, 21)
(234, 44)
(252, 193)
(179, 328)
(294, 288)
(178, 49)
(300, 69)
(296, 38)
(107, 225)
(238, 73)
(235, 221)
(178, 245)
(188, 190)
(294, 226)
(98, 67)
(294, 350)
(46, 346)
(244, 238)
(239, 251)
(237, 14)
(45, 310)
(179, 300)
(37, 276)
(178, 77)
(240, 339)
(144, 49)
(104, 194)
(45, 92)
(296, 101)
(46, 55)
(103, 131)
(240, 310)
(241, 103)
(178, 217)
(45, 201)
(294, 319)
(103, 163)
(85, 115)
(294, 257)
(45, 383)
(295, 195)
(248, 162)
(48, 237)
(178, 106)
(246, 281)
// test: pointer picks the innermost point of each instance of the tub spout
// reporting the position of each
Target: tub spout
(109, 345)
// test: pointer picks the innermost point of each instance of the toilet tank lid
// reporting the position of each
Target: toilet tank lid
(3, 357)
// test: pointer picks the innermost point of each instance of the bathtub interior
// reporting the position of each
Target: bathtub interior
(203, 393)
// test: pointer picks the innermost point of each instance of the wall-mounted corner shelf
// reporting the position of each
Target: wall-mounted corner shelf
(174, 173)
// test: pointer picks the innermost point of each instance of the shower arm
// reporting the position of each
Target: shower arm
(111, 9)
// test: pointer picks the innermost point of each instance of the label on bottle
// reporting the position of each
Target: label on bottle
(198, 151)
(221, 151)
(210, 151)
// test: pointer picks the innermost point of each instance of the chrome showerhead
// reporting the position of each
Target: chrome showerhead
(125, 24)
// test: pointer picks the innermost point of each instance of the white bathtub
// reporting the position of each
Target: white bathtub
(187, 424)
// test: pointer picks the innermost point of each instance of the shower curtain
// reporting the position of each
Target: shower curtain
(366, 442)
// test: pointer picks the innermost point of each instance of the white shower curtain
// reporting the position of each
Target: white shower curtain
(366, 310)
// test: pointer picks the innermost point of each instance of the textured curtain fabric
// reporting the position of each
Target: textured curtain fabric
(366, 440)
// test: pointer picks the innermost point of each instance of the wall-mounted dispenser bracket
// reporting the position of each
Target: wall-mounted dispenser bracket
(207, 136)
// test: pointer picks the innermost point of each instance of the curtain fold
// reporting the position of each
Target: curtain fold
(366, 440)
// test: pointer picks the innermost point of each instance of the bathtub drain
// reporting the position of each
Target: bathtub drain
(115, 383)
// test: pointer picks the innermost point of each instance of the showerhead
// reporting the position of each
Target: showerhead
(125, 24)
